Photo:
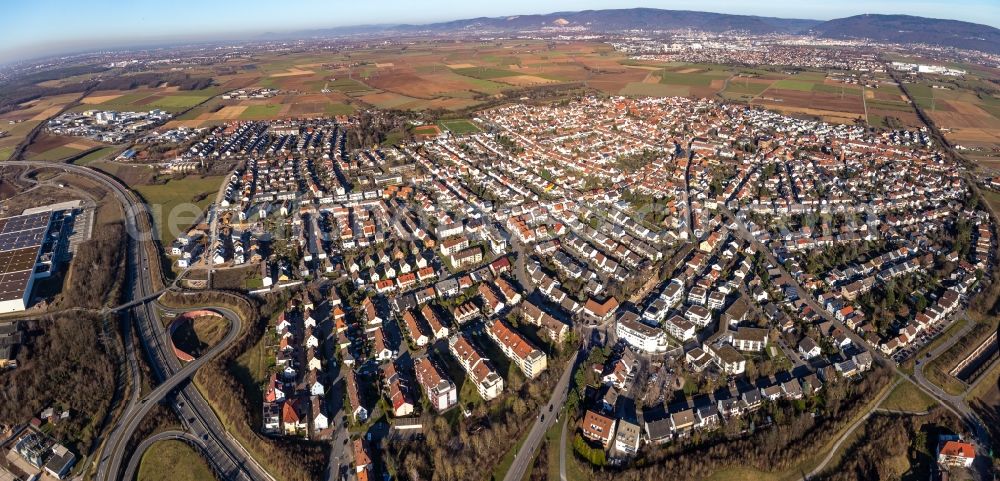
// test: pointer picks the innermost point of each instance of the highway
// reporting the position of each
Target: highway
(196, 415)
(524, 456)
(190, 439)
(117, 443)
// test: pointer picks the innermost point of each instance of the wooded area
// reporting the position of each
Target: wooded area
(890, 445)
(61, 347)
(97, 270)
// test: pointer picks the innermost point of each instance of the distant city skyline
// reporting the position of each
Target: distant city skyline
(39, 28)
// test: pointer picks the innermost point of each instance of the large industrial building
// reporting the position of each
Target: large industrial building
(25, 255)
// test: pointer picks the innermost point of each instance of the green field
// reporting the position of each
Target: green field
(136, 101)
(922, 94)
(176, 203)
(908, 397)
(57, 153)
(339, 109)
(93, 156)
(126, 99)
(347, 85)
(552, 445)
(788, 84)
(6, 152)
(260, 111)
(485, 73)
(888, 105)
(173, 460)
(459, 127)
(252, 368)
(737, 87)
(179, 101)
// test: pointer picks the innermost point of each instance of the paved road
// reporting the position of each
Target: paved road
(195, 413)
(136, 412)
(918, 368)
(956, 404)
(804, 294)
(524, 456)
(340, 452)
(190, 439)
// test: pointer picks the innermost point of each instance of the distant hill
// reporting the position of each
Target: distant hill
(632, 18)
(909, 29)
(611, 20)
(886, 28)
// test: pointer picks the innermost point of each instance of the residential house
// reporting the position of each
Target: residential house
(597, 428)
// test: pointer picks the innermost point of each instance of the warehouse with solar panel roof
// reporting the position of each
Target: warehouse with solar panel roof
(30, 245)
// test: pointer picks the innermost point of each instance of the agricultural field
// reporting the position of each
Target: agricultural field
(176, 203)
(19, 123)
(644, 89)
(168, 99)
(94, 156)
(967, 110)
(435, 76)
(745, 89)
(811, 94)
(260, 112)
(463, 75)
(50, 147)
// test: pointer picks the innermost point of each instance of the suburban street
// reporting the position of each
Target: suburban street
(363, 243)
(551, 410)
(956, 404)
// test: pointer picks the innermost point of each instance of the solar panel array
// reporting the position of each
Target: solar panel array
(20, 239)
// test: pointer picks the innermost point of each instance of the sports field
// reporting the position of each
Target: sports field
(459, 127)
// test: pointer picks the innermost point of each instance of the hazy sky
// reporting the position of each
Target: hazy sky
(36, 27)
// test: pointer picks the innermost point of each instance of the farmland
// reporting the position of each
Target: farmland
(176, 203)
(49, 147)
(167, 99)
(967, 110)
(19, 123)
(810, 94)
(461, 76)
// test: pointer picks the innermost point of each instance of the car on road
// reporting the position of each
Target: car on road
(550, 407)
(542, 418)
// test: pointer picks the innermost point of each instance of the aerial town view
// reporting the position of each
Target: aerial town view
(524, 241)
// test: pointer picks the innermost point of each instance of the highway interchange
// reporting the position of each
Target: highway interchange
(202, 428)
(229, 458)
